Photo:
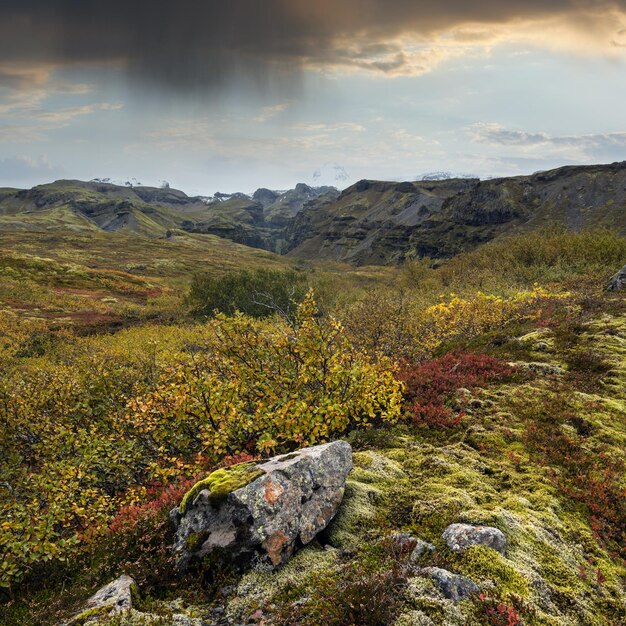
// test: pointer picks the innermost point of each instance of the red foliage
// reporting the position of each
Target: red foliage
(499, 613)
(593, 479)
(162, 498)
(430, 386)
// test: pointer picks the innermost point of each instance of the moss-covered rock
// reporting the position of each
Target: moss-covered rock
(221, 482)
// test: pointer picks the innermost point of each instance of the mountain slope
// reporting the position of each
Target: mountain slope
(371, 222)
(89, 206)
(382, 222)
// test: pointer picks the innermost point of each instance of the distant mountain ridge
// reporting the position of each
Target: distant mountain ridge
(371, 222)
(256, 220)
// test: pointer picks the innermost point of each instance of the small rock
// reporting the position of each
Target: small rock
(453, 586)
(115, 597)
(617, 282)
(228, 590)
(421, 547)
(285, 503)
(404, 541)
(461, 536)
(540, 340)
(464, 399)
(542, 369)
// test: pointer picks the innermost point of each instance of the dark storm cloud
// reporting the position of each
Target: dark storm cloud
(202, 43)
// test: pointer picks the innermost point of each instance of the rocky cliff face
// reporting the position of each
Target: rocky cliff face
(378, 222)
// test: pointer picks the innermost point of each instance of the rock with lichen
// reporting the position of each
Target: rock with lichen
(461, 536)
(262, 512)
(618, 281)
(453, 586)
(113, 598)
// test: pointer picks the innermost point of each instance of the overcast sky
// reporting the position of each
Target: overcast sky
(228, 95)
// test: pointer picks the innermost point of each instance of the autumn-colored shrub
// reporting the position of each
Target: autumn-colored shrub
(267, 386)
(89, 430)
(258, 293)
(401, 325)
(553, 255)
(592, 477)
(430, 387)
(498, 613)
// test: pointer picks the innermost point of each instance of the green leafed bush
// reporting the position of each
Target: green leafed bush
(258, 293)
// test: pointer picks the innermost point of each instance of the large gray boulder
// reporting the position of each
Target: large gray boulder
(262, 511)
(461, 536)
(617, 282)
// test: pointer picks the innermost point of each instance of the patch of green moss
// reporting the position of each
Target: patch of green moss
(195, 540)
(84, 617)
(554, 570)
(480, 563)
(257, 588)
(221, 482)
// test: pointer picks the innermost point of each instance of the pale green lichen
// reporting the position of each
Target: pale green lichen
(257, 589)
(221, 482)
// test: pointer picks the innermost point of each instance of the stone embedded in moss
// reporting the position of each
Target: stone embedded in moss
(221, 482)
(453, 586)
(461, 536)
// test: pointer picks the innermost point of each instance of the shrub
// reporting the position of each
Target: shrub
(430, 387)
(91, 427)
(258, 293)
(267, 386)
(521, 260)
(592, 477)
(364, 592)
(399, 325)
(498, 613)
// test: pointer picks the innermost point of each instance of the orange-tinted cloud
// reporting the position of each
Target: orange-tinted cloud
(200, 44)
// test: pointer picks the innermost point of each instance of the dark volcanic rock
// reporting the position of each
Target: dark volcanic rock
(442, 218)
(288, 500)
(266, 197)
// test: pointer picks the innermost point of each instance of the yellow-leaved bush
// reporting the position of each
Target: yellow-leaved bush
(470, 317)
(269, 385)
(399, 324)
(88, 428)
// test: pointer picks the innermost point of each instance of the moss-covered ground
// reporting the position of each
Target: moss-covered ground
(540, 457)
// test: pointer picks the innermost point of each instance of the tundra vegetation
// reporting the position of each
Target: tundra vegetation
(488, 389)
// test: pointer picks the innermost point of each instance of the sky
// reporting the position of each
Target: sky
(232, 95)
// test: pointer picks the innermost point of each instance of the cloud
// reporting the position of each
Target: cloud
(199, 45)
(324, 128)
(61, 117)
(267, 113)
(34, 122)
(602, 146)
(24, 169)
